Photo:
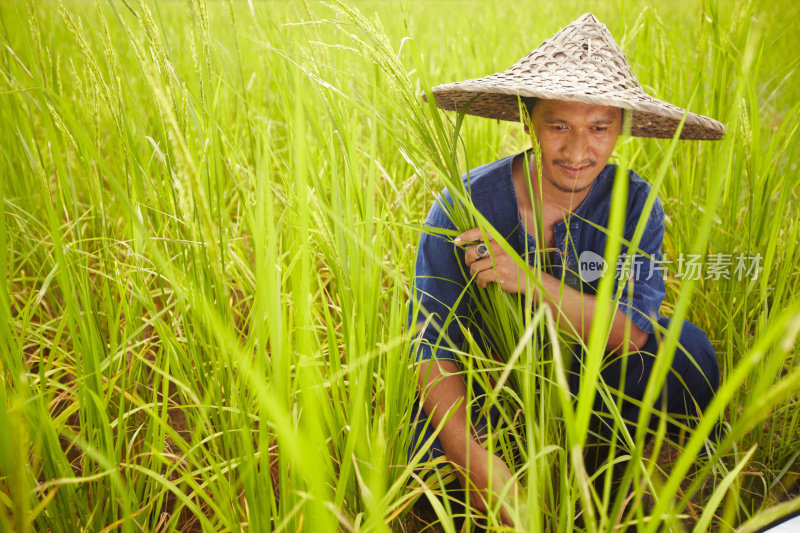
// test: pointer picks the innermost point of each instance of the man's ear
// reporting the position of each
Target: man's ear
(527, 129)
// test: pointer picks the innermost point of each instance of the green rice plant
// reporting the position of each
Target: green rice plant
(210, 212)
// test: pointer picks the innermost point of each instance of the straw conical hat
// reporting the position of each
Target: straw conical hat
(580, 63)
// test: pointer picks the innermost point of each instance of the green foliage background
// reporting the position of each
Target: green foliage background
(209, 220)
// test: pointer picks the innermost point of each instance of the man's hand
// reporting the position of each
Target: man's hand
(574, 310)
(494, 473)
(497, 267)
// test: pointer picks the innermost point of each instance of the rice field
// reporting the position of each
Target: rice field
(210, 212)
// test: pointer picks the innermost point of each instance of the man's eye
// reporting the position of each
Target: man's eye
(558, 127)
(600, 128)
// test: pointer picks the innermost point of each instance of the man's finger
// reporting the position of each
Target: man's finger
(480, 265)
(485, 277)
(471, 252)
(470, 236)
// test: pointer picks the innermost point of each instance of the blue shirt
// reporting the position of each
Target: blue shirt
(439, 282)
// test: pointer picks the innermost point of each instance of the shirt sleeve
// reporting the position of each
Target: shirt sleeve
(438, 306)
(642, 298)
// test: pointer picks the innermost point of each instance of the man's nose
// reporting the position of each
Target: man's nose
(576, 146)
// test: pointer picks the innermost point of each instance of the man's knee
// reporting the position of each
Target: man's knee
(700, 353)
(695, 365)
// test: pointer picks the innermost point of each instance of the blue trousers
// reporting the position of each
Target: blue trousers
(689, 387)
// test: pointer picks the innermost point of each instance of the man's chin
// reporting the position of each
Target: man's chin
(575, 187)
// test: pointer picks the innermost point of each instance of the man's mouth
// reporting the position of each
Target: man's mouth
(574, 171)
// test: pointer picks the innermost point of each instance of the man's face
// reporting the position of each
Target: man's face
(576, 140)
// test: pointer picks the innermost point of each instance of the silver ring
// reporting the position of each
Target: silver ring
(482, 250)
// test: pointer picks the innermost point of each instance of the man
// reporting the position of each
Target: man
(578, 90)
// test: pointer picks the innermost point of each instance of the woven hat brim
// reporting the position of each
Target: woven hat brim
(580, 63)
(494, 97)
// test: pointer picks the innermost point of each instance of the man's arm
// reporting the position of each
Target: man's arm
(578, 311)
(439, 285)
(442, 389)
